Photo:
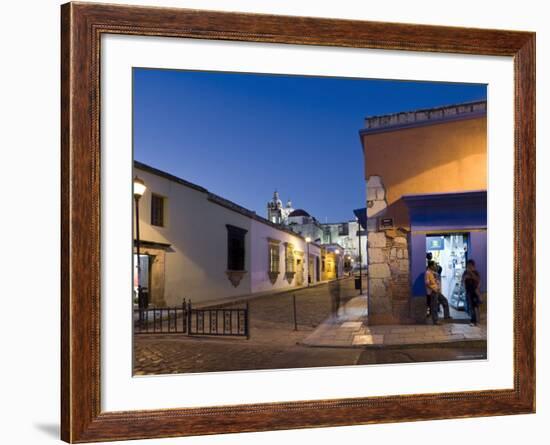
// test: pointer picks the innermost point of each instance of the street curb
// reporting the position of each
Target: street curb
(441, 344)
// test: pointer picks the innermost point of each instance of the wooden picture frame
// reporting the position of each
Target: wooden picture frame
(82, 26)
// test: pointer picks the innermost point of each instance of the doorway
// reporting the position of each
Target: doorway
(144, 276)
(317, 269)
(310, 269)
(299, 272)
(450, 252)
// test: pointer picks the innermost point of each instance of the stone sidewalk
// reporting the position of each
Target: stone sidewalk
(348, 330)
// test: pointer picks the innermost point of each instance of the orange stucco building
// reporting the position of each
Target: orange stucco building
(429, 163)
(446, 156)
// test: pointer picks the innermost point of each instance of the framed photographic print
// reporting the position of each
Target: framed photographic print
(276, 222)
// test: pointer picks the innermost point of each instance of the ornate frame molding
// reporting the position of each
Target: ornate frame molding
(82, 25)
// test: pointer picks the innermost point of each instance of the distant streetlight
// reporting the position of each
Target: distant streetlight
(139, 190)
(360, 257)
(308, 240)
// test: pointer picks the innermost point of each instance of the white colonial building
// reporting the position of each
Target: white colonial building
(345, 235)
(199, 246)
(276, 213)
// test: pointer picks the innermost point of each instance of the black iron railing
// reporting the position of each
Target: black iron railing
(218, 321)
(186, 319)
(166, 320)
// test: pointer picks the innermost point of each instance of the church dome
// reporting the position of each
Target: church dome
(276, 202)
(299, 212)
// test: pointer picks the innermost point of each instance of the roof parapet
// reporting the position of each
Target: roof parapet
(469, 110)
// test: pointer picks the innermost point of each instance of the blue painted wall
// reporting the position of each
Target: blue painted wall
(448, 211)
(478, 253)
(460, 212)
(418, 263)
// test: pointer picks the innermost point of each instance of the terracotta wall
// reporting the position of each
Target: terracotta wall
(446, 157)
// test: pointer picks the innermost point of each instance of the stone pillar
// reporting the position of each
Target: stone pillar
(376, 200)
(389, 288)
(388, 263)
(378, 275)
(400, 291)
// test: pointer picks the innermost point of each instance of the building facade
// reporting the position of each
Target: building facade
(199, 246)
(276, 213)
(344, 234)
(426, 181)
(301, 222)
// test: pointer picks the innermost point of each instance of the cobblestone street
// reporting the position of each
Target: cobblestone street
(313, 305)
(273, 342)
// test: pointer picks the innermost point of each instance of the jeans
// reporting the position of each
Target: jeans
(473, 305)
(437, 298)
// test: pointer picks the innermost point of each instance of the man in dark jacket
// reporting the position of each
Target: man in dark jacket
(471, 281)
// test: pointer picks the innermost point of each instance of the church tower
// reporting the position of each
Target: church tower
(276, 213)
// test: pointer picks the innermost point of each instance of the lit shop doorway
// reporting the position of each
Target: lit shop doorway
(299, 272)
(450, 252)
(310, 270)
(145, 266)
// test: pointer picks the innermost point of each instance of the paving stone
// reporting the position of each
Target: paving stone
(352, 324)
(398, 330)
(368, 340)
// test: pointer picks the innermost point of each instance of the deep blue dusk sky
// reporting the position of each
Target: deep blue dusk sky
(242, 136)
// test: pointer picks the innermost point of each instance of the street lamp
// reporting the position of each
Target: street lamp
(308, 240)
(360, 257)
(139, 190)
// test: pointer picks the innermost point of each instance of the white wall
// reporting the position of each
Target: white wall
(195, 228)
(260, 233)
(30, 144)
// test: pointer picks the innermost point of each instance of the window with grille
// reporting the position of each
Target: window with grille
(273, 252)
(289, 258)
(235, 247)
(157, 210)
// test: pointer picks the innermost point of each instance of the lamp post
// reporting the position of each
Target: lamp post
(308, 240)
(139, 190)
(360, 258)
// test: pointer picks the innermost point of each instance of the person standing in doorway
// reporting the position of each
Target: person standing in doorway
(441, 299)
(429, 257)
(433, 288)
(471, 281)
